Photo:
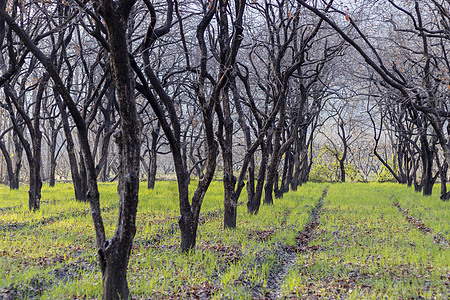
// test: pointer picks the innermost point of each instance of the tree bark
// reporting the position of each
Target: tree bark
(17, 162)
(13, 176)
(274, 158)
(153, 159)
(443, 168)
(254, 203)
(79, 187)
(52, 154)
(116, 252)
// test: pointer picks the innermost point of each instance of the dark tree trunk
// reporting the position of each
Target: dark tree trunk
(342, 170)
(32, 151)
(52, 171)
(249, 160)
(83, 173)
(344, 139)
(274, 160)
(230, 200)
(229, 180)
(297, 156)
(401, 154)
(115, 263)
(286, 176)
(79, 188)
(302, 161)
(17, 162)
(276, 186)
(254, 203)
(290, 172)
(417, 184)
(13, 177)
(408, 170)
(251, 179)
(225, 135)
(9, 170)
(14, 164)
(415, 170)
(103, 164)
(188, 221)
(34, 194)
(116, 252)
(271, 174)
(427, 181)
(47, 62)
(151, 174)
(443, 176)
(153, 162)
(305, 168)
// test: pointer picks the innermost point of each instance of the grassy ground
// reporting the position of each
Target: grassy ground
(365, 247)
(359, 241)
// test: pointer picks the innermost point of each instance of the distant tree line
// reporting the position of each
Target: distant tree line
(98, 90)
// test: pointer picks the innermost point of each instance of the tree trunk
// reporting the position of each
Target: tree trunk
(251, 179)
(270, 181)
(115, 284)
(32, 151)
(427, 164)
(248, 144)
(52, 155)
(443, 175)
(290, 172)
(229, 180)
(34, 192)
(254, 203)
(83, 174)
(275, 156)
(153, 162)
(117, 252)
(103, 164)
(408, 170)
(188, 221)
(150, 179)
(296, 164)
(13, 178)
(17, 163)
(188, 227)
(80, 192)
(230, 202)
(342, 170)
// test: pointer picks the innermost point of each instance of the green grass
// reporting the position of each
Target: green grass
(432, 210)
(363, 247)
(368, 250)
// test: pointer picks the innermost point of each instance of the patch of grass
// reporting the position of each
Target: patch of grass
(363, 246)
(367, 249)
(431, 209)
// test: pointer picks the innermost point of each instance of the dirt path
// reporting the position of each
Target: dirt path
(421, 226)
(288, 255)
